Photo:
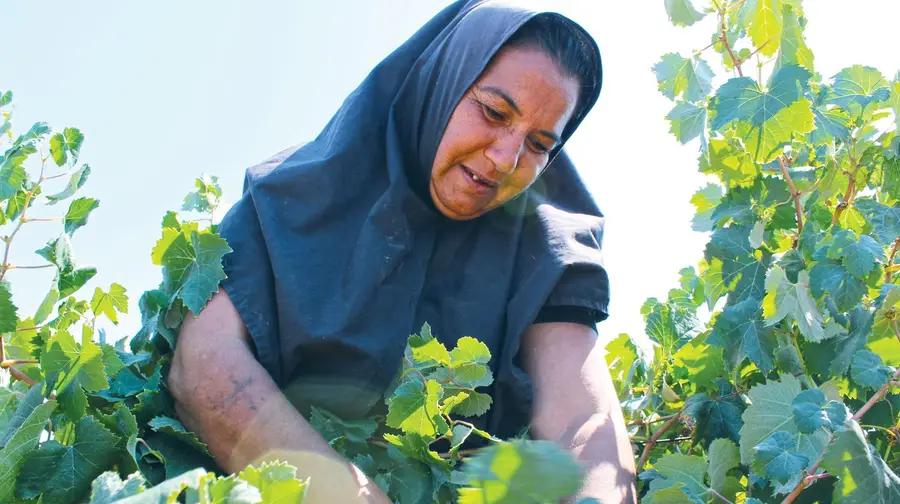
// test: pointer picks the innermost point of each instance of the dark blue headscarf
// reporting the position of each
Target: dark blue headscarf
(339, 255)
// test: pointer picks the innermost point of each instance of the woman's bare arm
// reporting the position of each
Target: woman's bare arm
(224, 395)
(575, 405)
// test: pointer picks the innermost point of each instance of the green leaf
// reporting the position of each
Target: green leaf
(6, 98)
(81, 367)
(885, 220)
(860, 85)
(26, 406)
(169, 490)
(739, 330)
(766, 142)
(741, 99)
(64, 144)
(740, 263)
(831, 278)
(192, 270)
(812, 411)
(173, 428)
(688, 121)
(702, 362)
(22, 441)
(723, 456)
(76, 181)
(895, 99)
(862, 476)
(677, 76)
(206, 197)
(859, 257)
(428, 351)
(794, 50)
(109, 488)
(276, 482)
(108, 303)
(868, 370)
(335, 429)
(520, 471)
(846, 346)
(770, 411)
(414, 408)
(705, 200)
(671, 326)
(687, 470)
(38, 130)
(8, 311)
(781, 460)
(671, 495)
(766, 26)
(730, 162)
(718, 417)
(79, 211)
(69, 282)
(621, 356)
(794, 300)
(683, 13)
(12, 180)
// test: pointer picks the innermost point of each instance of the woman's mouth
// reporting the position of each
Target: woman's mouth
(481, 185)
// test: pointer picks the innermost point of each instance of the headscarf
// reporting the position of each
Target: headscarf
(338, 254)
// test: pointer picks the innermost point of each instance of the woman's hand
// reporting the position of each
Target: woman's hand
(575, 405)
(225, 396)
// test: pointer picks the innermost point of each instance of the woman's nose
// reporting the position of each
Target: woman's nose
(504, 152)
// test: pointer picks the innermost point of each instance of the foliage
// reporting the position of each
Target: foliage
(770, 374)
(81, 419)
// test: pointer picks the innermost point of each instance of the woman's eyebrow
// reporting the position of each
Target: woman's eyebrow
(512, 104)
(502, 94)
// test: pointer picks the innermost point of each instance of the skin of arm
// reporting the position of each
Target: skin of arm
(575, 406)
(225, 396)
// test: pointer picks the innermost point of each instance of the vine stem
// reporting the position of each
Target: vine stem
(890, 263)
(848, 196)
(720, 496)
(811, 474)
(795, 195)
(8, 363)
(22, 218)
(654, 438)
(18, 375)
(742, 60)
(640, 423)
(724, 38)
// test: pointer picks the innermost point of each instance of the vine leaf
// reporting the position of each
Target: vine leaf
(785, 299)
(8, 311)
(56, 472)
(723, 456)
(860, 85)
(109, 488)
(741, 99)
(193, 269)
(863, 477)
(793, 50)
(771, 411)
(683, 13)
(76, 181)
(677, 76)
(766, 26)
(516, 472)
(108, 303)
(688, 121)
(782, 462)
(21, 440)
(275, 481)
(718, 416)
(868, 370)
(66, 145)
(739, 330)
(414, 408)
(812, 411)
(79, 211)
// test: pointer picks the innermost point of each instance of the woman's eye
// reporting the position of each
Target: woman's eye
(493, 113)
(538, 146)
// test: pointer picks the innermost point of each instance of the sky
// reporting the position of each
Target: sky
(167, 90)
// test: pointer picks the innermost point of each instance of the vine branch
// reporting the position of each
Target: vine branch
(888, 271)
(723, 37)
(848, 195)
(795, 195)
(654, 438)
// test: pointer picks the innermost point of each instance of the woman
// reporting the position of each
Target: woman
(418, 203)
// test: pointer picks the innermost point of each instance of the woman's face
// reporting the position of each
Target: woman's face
(500, 135)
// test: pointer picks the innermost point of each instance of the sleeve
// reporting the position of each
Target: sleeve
(250, 283)
(574, 314)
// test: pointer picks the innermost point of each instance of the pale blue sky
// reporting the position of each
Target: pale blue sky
(166, 90)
